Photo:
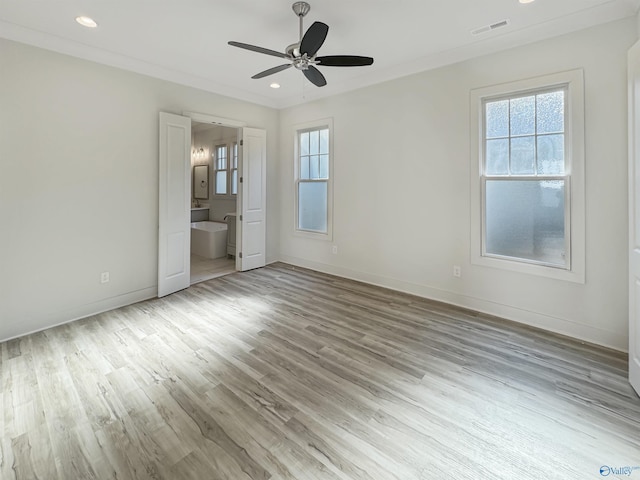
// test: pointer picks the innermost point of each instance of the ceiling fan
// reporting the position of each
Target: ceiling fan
(302, 55)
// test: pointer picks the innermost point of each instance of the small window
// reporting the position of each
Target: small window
(234, 169)
(528, 176)
(313, 180)
(221, 170)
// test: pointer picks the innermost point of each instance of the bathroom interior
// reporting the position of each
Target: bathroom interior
(214, 172)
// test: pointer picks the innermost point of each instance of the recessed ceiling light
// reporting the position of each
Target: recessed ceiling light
(527, 1)
(86, 22)
(275, 85)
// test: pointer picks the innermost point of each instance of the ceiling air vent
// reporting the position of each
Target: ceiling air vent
(489, 28)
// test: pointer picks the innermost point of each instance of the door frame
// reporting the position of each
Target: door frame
(220, 122)
(633, 69)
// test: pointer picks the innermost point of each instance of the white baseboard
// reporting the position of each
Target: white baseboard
(33, 325)
(559, 325)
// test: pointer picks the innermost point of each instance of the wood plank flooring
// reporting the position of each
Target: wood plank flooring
(283, 373)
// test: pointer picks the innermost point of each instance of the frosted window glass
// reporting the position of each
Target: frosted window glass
(497, 117)
(221, 183)
(314, 167)
(324, 166)
(324, 141)
(523, 116)
(550, 112)
(312, 206)
(234, 182)
(314, 142)
(304, 143)
(523, 156)
(551, 154)
(525, 219)
(498, 157)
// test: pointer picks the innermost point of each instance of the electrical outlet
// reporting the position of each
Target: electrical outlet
(104, 277)
(334, 249)
(457, 271)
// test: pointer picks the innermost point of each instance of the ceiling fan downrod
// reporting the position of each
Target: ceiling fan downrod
(301, 9)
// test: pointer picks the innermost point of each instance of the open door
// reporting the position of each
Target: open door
(174, 230)
(634, 216)
(252, 199)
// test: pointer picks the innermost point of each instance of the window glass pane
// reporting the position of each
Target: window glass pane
(304, 143)
(235, 155)
(523, 116)
(550, 112)
(551, 154)
(497, 162)
(221, 182)
(525, 219)
(304, 168)
(324, 166)
(497, 119)
(234, 182)
(314, 166)
(523, 156)
(312, 206)
(314, 142)
(324, 141)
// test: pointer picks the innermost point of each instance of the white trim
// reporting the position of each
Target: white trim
(562, 326)
(316, 124)
(575, 160)
(206, 118)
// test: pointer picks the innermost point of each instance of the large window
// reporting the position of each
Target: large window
(530, 182)
(313, 180)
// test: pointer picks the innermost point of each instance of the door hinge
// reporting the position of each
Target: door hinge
(240, 217)
(240, 254)
(240, 179)
(241, 142)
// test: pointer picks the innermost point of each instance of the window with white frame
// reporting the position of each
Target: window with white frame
(313, 179)
(234, 168)
(530, 181)
(220, 169)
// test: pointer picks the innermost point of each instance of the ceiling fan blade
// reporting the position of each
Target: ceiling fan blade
(314, 38)
(314, 76)
(253, 48)
(273, 70)
(344, 61)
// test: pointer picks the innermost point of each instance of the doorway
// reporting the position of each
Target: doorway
(175, 197)
(214, 203)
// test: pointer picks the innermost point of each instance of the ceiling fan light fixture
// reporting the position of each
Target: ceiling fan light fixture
(526, 1)
(86, 21)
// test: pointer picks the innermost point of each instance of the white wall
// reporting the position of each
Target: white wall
(401, 191)
(79, 183)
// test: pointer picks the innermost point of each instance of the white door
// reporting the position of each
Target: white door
(634, 216)
(174, 230)
(252, 199)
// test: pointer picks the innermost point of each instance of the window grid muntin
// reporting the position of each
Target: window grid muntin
(509, 97)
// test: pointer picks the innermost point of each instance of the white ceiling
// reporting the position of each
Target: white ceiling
(186, 41)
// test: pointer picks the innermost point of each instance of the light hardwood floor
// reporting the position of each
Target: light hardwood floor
(282, 373)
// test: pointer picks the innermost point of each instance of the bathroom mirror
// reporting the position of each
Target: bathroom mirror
(201, 182)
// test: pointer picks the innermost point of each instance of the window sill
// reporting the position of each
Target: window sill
(530, 269)
(325, 237)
